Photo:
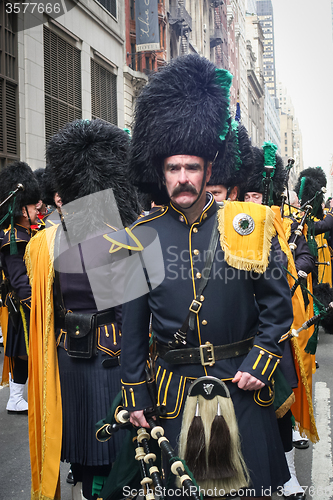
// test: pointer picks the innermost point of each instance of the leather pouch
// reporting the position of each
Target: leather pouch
(81, 335)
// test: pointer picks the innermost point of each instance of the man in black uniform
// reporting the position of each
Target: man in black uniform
(234, 323)
(80, 307)
(17, 234)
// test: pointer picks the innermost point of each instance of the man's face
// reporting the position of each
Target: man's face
(183, 176)
(219, 192)
(254, 197)
(33, 212)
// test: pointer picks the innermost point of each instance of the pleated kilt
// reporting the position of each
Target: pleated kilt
(15, 342)
(87, 391)
(260, 439)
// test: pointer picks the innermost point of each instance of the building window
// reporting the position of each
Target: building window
(9, 148)
(103, 93)
(110, 6)
(132, 9)
(62, 80)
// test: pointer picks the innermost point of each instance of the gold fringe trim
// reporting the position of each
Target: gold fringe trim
(243, 263)
(49, 319)
(312, 434)
(287, 227)
(25, 329)
(27, 258)
(282, 410)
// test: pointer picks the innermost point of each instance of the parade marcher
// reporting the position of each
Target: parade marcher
(22, 213)
(311, 185)
(300, 260)
(76, 321)
(221, 316)
(230, 169)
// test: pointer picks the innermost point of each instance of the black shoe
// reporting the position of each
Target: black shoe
(301, 444)
(70, 477)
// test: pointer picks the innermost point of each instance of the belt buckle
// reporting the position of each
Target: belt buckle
(195, 306)
(207, 351)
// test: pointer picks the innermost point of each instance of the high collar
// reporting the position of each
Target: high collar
(208, 210)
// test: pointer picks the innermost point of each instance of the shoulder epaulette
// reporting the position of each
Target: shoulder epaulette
(154, 213)
(22, 235)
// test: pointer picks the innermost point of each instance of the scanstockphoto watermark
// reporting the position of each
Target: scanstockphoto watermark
(29, 14)
(180, 264)
(161, 491)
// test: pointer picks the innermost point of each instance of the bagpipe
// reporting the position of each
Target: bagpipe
(299, 230)
(151, 477)
(209, 446)
(18, 188)
(289, 166)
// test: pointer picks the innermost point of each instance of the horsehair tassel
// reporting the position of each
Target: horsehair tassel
(220, 464)
(195, 453)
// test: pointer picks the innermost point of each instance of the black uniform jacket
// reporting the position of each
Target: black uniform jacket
(236, 305)
(13, 265)
(325, 225)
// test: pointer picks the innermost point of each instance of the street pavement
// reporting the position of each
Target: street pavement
(314, 465)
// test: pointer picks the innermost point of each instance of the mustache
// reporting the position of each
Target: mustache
(184, 188)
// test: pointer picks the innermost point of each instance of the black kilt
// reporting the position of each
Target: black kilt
(87, 392)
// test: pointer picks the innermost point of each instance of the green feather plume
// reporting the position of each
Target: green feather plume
(224, 79)
(270, 150)
(301, 189)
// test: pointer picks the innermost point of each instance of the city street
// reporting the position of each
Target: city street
(314, 465)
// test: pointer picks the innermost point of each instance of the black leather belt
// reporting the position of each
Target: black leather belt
(110, 362)
(206, 354)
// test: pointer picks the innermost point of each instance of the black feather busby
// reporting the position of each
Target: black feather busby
(309, 184)
(16, 173)
(49, 187)
(234, 160)
(89, 156)
(184, 109)
(254, 182)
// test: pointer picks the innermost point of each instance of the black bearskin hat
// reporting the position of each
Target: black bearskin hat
(234, 160)
(184, 109)
(311, 181)
(48, 186)
(254, 182)
(324, 293)
(89, 156)
(40, 177)
(16, 173)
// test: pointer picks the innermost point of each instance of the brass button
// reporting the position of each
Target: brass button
(204, 216)
(131, 390)
(195, 229)
(262, 352)
(202, 298)
(270, 356)
(204, 322)
(196, 252)
(198, 275)
(181, 218)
